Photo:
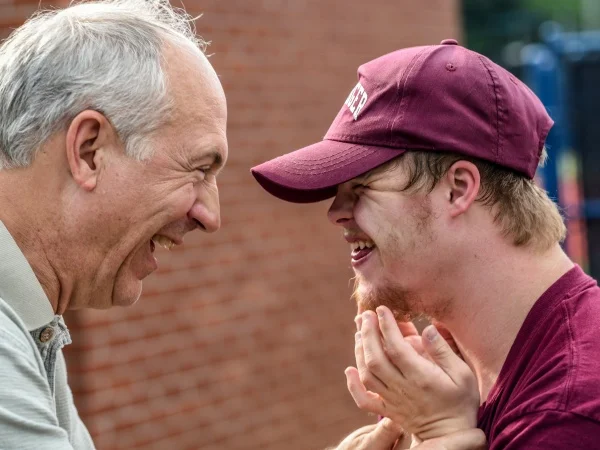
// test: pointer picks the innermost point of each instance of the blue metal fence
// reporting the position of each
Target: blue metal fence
(564, 71)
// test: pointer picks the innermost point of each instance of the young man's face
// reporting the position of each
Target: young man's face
(396, 251)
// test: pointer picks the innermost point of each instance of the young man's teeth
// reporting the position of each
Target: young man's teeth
(361, 244)
(163, 241)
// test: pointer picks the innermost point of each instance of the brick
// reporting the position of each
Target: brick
(240, 340)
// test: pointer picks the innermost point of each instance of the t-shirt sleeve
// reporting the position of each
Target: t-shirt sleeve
(27, 414)
(547, 430)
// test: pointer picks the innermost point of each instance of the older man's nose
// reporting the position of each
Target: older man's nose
(207, 217)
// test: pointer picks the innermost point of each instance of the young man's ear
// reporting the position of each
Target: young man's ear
(88, 135)
(463, 186)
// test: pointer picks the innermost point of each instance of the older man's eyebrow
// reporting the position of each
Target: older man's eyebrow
(214, 155)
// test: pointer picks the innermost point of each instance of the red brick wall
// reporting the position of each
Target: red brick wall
(241, 339)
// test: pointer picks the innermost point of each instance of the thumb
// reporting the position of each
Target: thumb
(445, 333)
(385, 435)
(440, 352)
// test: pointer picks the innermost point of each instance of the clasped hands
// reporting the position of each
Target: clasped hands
(417, 382)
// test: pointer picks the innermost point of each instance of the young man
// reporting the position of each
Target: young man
(431, 162)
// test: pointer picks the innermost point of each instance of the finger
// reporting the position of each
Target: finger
(358, 322)
(472, 439)
(376, 360)
(445, 333)
(402, 354)
(368, 378)
(440, 352)
(404, 442)
(364, 399)
(417, 343)
(350, 441)
(385, 435)
(412, 336)
(408, 329)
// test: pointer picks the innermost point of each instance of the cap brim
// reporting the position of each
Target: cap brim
(313, 173)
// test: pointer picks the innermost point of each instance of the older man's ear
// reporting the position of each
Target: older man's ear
(88, 137)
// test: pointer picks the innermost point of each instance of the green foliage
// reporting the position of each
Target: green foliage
(555, 9)
(492, 24)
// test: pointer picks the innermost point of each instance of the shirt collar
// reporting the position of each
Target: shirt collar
(19, 287)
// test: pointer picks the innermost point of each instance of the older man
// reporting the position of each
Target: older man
(431, 162)
(112, 133)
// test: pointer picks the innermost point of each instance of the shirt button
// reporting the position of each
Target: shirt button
(47, 334)
(449, 42)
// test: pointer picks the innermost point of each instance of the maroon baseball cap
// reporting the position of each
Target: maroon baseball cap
(438, 97)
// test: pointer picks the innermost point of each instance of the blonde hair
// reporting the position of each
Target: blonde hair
(523, 210)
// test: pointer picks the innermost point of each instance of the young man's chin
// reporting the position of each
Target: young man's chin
(403, 303)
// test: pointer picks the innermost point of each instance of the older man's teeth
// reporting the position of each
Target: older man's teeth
(163, 241)
(359, 245)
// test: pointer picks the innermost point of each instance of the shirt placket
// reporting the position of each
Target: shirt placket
(50, 339)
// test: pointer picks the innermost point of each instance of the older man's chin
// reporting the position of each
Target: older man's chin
(126, 293)
(127, 285)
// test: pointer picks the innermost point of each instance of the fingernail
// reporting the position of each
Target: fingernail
(357, 336)
(358, 321)
(379, 311)
(431, 333)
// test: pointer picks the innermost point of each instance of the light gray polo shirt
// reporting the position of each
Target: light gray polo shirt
(36, 405)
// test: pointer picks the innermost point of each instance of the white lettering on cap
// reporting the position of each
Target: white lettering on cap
(358, 94)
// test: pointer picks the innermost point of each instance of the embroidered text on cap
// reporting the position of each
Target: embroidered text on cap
(358, 94)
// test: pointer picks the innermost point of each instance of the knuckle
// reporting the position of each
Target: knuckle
(372, 363)
(399, 352)
(368, 381)
(392, 351)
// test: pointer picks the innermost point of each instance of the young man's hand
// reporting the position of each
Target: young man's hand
(386, 435)
(472, 439)
(429, 396)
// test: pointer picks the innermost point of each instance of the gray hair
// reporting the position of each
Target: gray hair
(105, 56)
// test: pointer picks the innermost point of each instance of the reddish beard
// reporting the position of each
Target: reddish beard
(404, 304)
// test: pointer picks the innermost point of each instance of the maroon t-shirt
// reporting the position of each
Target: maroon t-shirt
(547, 395)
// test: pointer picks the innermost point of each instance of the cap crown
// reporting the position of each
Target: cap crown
(445, 98)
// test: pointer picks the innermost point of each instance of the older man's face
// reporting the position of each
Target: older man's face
(158, 201)
(393, 239)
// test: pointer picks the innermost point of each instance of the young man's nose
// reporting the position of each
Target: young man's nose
(340, 211)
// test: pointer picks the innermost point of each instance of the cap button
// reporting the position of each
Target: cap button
(449, 42)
